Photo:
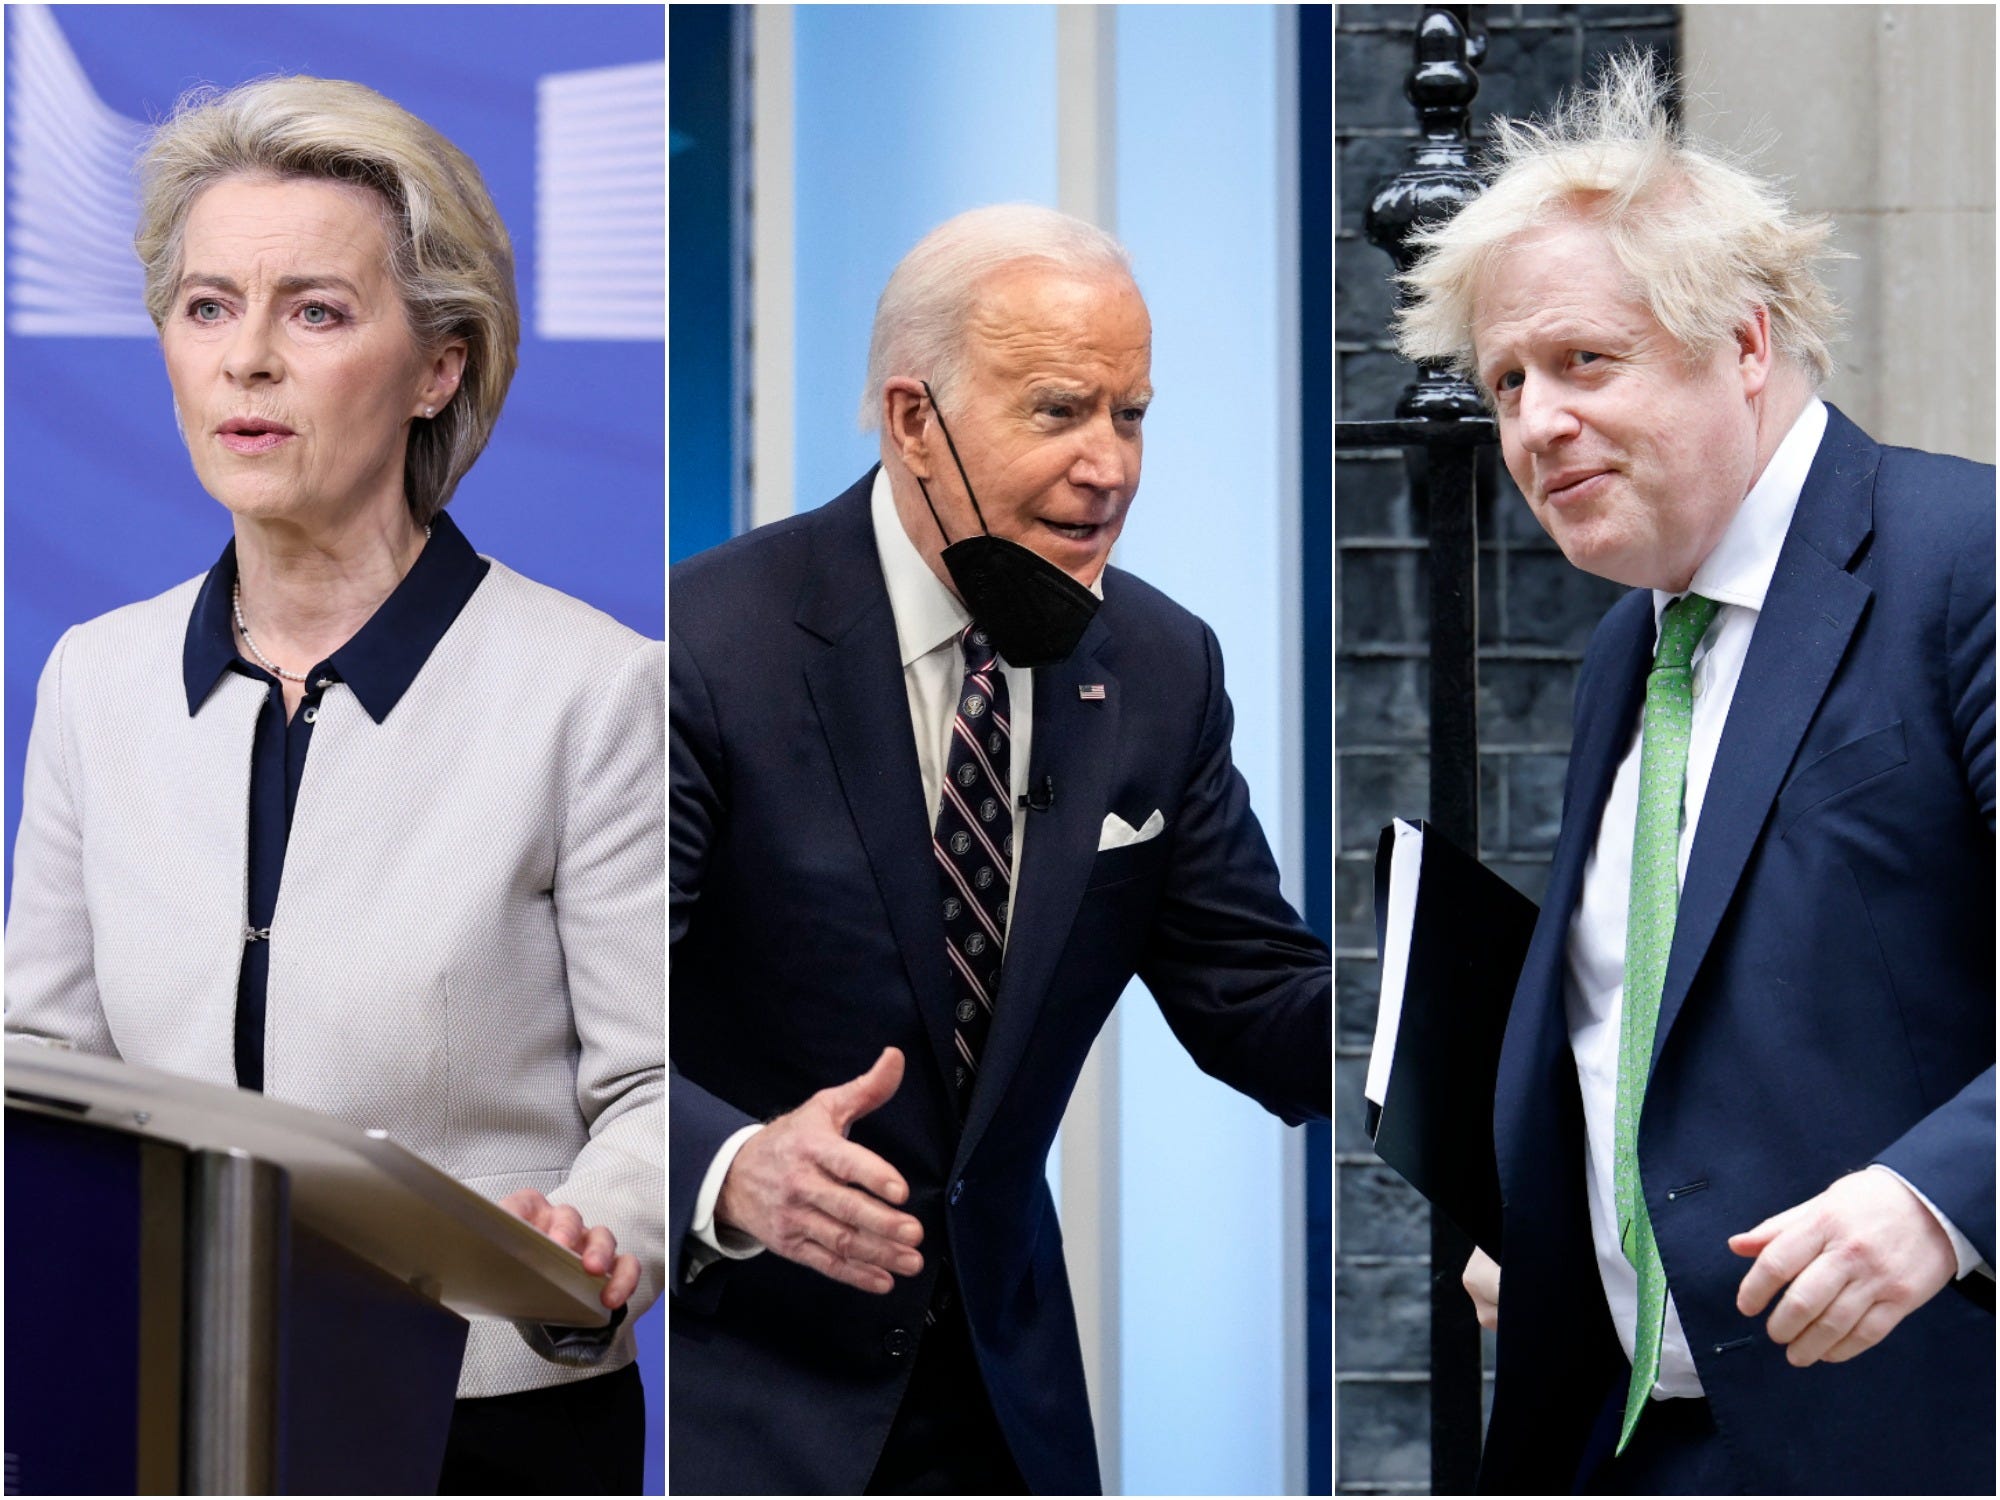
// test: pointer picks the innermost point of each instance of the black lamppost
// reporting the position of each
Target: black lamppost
(1443, 428)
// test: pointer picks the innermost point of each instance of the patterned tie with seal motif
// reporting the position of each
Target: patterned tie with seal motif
(974, 844)
(1649, 938)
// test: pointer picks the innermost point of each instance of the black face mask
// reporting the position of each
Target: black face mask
(1034, 612)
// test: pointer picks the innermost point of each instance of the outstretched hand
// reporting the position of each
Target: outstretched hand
(806, 1192)
(1859, 1258)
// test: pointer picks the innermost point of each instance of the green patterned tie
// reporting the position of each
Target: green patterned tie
(1649, 936)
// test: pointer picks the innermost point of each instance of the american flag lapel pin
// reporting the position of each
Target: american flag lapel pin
(1090, 692)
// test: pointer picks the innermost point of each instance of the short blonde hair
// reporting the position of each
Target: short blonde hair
(922, 314)
(449, 255)
(1700, 237)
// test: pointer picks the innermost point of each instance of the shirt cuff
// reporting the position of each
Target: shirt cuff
(1969, 1259)
(708, 1241)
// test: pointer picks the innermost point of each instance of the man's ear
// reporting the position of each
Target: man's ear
(906, 421)
(1754, 353)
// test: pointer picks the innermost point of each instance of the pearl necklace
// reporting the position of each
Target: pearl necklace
(243, 628)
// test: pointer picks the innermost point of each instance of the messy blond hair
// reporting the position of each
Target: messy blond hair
(1700, 237)
(449, 255)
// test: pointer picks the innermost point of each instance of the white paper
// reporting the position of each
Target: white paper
(1406, 859)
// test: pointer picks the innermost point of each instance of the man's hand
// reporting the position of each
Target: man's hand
(1482, 1284)
(802, 1189)
(1860, 1257)
(598, 1246)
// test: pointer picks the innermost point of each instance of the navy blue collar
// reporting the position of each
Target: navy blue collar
(383, 658)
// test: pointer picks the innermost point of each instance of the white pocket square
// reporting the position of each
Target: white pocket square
(1118, 833)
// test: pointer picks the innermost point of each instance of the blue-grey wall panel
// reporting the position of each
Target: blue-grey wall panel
(701, 280)
(1200, 197)
(906, 115)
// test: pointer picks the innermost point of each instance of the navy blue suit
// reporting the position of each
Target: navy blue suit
(806, 937)
(1829, 999)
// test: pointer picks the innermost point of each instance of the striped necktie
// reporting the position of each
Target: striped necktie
(974, 845)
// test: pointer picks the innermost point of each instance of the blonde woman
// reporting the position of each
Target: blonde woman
(363, 819)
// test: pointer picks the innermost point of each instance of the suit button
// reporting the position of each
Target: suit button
(896, 1343)
(957, 1190)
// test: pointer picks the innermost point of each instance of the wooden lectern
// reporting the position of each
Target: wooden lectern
(209, 1292)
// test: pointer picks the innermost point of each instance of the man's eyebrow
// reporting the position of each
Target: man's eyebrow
(1067, 395)
(1568, 328)
(1070, 396)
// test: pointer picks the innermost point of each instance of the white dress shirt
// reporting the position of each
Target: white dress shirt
(1736, 575)
(928, 619)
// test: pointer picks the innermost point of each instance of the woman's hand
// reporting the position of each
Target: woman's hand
(598, 1246)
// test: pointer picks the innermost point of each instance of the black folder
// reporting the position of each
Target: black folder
(1467, 940)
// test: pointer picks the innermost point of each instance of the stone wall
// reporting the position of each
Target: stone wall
(1535, 616)
(1881, 119)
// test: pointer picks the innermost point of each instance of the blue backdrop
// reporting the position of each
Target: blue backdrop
(1212, 176)
(101, 505)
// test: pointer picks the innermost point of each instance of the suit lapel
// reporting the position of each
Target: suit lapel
(864, 711)
(1537, 1028)
(1602, 740)
(1810, 614)
(1074, 741)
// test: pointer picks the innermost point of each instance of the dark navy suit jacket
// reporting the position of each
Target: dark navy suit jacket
(1829, 999)
(806, 937)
